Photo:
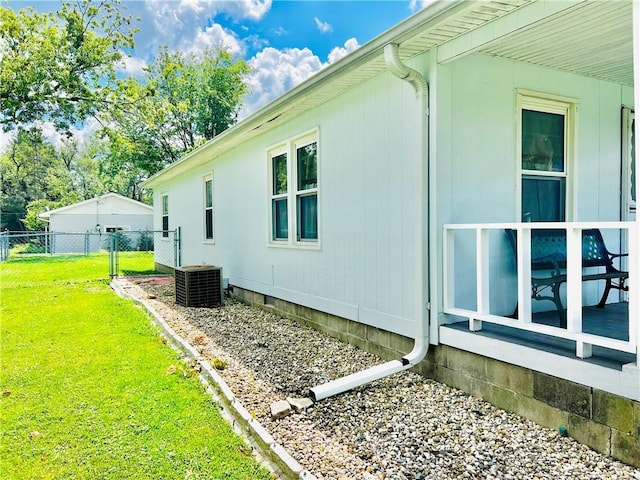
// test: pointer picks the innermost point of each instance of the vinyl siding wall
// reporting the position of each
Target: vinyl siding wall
(363, 270)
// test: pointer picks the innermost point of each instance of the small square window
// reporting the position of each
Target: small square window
(308, 217)
(542, 141)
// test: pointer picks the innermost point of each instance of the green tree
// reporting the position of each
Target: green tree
(24, 168)
(183, 101)
(119, 167)
(61, 67)
(35, 174)
(31, 220)
(204, 93)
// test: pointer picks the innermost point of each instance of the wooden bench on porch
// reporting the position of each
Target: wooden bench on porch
(549, 255)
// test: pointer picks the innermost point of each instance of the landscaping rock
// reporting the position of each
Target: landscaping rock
(280, 409)
(401, 427)
(300, 404)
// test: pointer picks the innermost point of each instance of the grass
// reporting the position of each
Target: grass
(90, 390)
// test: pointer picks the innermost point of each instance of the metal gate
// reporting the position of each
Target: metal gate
(164, 247)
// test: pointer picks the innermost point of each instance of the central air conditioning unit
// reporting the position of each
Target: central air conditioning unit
(199, 286)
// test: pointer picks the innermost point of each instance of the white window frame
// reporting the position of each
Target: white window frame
(164, 212)
(289, 148)
(300, 143)
(548, 103)
(272, 153)
(629, 204)
(208, 178)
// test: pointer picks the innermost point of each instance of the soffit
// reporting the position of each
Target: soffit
(593, 39)
(468, 16)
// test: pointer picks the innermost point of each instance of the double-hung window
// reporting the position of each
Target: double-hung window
(279, 197)
(307, 192)
(208, 208)
(293, 179)
(165, 216)
(545, 147)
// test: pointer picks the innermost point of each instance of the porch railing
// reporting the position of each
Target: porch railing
(478, 240)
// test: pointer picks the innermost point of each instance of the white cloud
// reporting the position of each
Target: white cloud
(5, 139)
(252, 9)
(240, 9)
(279, 31)
(275, 72)
(49, 132)
(186, 25)
(84, 134)
(81, 134)
(324, 27)
(338, 52)
(212, 37)
(419, 4)
(131, 66)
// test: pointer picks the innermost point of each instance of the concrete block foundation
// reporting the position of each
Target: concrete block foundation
(608, 423)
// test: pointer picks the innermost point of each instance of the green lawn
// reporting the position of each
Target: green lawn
(90, 390)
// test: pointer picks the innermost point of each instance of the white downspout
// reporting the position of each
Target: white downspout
(421, 343)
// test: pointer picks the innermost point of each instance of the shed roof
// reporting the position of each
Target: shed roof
(586, 37)
(132, 207)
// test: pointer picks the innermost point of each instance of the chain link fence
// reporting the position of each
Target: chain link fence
(123, 252)
(125, 248)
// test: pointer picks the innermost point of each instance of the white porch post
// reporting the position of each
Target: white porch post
(524, 274)
(634, 234)
(574, 289)
(634, 286)
(482, 280)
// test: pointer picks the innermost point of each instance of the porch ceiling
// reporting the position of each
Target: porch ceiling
(593, 39)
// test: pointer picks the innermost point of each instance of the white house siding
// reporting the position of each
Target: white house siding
(477, 166)
(363, 270)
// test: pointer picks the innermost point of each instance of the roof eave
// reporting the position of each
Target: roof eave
(397, 34)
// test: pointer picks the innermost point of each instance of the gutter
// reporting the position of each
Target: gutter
(421, 341)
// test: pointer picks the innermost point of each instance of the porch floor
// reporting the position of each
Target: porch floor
(611, 321)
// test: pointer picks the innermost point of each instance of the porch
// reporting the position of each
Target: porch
(485, 280)
(610, 322)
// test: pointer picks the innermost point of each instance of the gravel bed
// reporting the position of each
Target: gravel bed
(402, 427)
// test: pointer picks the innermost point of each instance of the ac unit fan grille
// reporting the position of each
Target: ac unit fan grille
(199, 286)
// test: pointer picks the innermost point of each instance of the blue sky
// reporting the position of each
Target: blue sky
(284, 41)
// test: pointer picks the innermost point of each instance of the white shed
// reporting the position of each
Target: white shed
(101, 215)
